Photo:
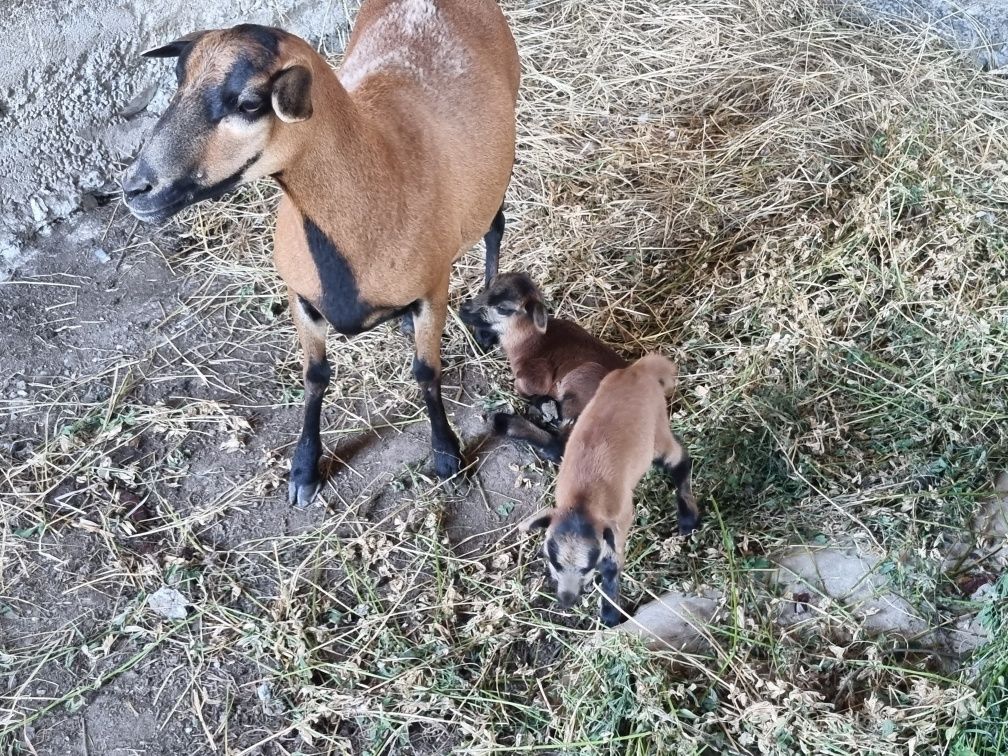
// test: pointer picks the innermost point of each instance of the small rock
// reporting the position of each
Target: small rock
(673, 621)
(39, 211)
(101, 255)
(265, 693)
(851, 577)
(992, 519)
(168, 603)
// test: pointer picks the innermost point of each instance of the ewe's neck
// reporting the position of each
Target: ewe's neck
(341, 165)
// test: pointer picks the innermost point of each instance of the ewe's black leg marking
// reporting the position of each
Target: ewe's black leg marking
(429, 319)
(492, 239)
(447, 453)
(305, 479)
(311, 329)
(680, 473)
(519, 428)
(609, 611)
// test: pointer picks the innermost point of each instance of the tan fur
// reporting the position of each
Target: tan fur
(404, 173)
(623, 429)
(406, 170)
(564, 362)
(402, 169)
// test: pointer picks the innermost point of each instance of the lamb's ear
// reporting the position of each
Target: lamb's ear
(173, 49)
(537, 311)
(540, 520)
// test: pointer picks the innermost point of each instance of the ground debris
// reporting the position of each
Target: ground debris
(168, 603)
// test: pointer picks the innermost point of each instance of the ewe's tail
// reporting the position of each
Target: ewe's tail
(662, 369)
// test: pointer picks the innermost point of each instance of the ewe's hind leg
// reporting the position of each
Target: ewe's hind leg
(429, 321)
(485, 338)
(311, 329)
(676, 463)
(492, 239)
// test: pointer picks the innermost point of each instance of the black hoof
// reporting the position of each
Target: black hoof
(501, 423)
(688, 522)
(552, 453)
(302, 494)
(447, 464)
(609, 614)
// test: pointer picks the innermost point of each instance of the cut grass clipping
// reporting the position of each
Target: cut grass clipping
(810, 216)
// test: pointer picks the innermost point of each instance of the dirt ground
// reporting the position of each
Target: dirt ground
(131, 312)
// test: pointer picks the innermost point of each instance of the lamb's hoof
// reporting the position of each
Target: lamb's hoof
(501, 422)
(688, 522)
(406, 324)
(447, 464)
(302, 494)
(609, 614)
(552, 453)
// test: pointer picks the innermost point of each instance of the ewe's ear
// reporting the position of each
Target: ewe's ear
(174, 49)
(292, 94)
(610, 538)
(538, 521)
(537, 311)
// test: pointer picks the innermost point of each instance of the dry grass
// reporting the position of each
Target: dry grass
(809, 215)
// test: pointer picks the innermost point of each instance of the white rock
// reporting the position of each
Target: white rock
(672, 621)
(168, 603)
(851, 578)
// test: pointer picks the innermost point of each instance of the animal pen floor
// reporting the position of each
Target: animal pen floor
(809, 215)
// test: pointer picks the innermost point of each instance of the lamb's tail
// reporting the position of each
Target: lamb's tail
(662, 369)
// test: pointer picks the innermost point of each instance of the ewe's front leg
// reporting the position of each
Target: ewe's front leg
(311, 329)
(428, 322)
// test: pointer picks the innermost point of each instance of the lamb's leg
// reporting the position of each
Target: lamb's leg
(676, 463)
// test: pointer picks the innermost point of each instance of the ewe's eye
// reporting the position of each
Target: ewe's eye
(506, 310)
(251, 106)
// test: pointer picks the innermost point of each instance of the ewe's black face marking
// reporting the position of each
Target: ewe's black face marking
(213, 134)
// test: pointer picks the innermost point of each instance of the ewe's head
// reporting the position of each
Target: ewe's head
(237, 89)
(511, 300)
(576, 550)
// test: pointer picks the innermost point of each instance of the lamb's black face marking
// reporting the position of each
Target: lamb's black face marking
(214, 133)
(572, 549)
(508, 295)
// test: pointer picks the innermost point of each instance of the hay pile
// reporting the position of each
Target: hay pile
(811, 217)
